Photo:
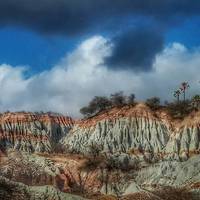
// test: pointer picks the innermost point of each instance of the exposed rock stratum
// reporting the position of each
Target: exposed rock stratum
(151, 149)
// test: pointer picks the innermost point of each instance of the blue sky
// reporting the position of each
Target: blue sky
(187, 33)
(22, 46)
(57, 55)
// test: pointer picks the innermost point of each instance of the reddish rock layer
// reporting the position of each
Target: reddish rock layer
(23, 131)
(138, 111)
(142, 111)
(23, 117)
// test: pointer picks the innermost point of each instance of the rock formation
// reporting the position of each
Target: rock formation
(18, 191)
(32, 132)
(150, 148)
(140, 131)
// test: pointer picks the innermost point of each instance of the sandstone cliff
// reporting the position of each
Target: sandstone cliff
(32, 132)
(138, 131)
(165, 151)
(135, 130)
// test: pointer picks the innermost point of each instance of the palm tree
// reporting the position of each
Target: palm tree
(183, 88)
(177, 95)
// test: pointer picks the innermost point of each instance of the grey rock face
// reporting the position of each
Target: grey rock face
(167, 173)
(183, 142)
(170, 173)
(18, 191)
(32, 133)
(145, 136)
(29, 169)
(121, 135)
(148, 139)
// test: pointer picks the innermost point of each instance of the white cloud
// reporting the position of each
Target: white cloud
(81, 75)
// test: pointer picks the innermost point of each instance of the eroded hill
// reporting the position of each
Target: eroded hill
(122, 152)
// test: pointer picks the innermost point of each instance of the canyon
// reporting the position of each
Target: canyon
(131, 152)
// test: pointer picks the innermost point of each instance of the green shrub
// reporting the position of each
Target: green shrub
(153, 103)
(118, 99)
(96, 105)
(179, 110)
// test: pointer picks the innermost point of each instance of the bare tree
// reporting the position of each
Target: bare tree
(153, 103)
(183, 88)
(118, 99)
(177, 94)
(131, 99)
(87, 111)
(96, 105)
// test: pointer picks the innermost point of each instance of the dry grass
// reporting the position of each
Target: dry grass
(105, 197)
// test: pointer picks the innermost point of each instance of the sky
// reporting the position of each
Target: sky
(57, 55)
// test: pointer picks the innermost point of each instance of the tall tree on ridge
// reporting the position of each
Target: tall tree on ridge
(183, 88)
(177, 94)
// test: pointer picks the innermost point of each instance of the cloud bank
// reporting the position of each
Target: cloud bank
(83, 74)
(135, 49)
(82, 17)
(77, 16)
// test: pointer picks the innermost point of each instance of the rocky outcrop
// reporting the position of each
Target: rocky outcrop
(147, 146)
(138, 131)
(172, 173)
(18, 191)
(32, 132)
(135, 130)
(29, 169)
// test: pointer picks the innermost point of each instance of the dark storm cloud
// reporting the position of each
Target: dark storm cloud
(76, 16)
(135, 49)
